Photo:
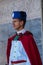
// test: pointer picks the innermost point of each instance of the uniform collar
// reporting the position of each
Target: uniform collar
(21, 31)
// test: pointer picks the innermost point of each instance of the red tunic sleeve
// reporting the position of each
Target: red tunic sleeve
(8, 50)
(34, 52)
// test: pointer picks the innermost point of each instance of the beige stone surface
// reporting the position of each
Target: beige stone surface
(32, 8)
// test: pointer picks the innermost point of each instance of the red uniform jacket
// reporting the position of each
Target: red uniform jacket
(29, 46)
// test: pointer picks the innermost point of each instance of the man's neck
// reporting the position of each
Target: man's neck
(20, 28)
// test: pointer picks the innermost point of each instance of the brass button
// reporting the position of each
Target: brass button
(15, 51)
(14, 56)
(15, 46)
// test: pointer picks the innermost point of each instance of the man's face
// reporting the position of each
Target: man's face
(17, 23)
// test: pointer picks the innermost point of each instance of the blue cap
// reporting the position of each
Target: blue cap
(19, 15)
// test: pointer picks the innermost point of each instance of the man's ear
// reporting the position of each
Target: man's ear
(21, 22)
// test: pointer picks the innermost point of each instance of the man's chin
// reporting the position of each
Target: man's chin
(16, 28)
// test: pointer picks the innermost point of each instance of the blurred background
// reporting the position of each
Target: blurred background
(33, 24)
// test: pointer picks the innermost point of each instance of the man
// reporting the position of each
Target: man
(21, 48)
